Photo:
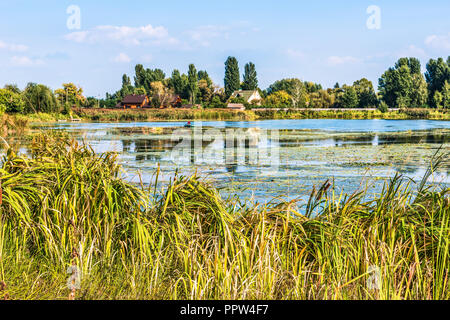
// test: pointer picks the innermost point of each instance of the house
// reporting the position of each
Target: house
(249, 96)
(176, 101)
(236, 106)
(134, 101)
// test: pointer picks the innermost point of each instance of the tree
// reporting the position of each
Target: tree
(349, 98)
(403, 86)
(294, 87)
(70, 94)
(205, 92)
(203, 75)
(39, 98)
(365, 92)
(139, 91)
(232, 78)
(144, 77)
(312, 87)
(127, 88)
(279, 99)
(192, 83)
(178, 83)
(10, 101)
(161, 95)
(250, 77)
(322, 99)
(446, 95)
(12, 87)
(438, 71)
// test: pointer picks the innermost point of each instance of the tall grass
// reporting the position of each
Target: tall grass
(64, 205)
(163, 114)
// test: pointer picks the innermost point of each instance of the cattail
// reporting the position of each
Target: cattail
(3, 288)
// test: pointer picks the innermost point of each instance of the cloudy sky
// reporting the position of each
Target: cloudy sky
(321, 41)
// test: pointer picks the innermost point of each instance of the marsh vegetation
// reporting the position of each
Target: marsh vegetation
(65, 205)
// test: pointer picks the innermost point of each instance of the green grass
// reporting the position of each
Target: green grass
(120, 115)
(111, 115)
(64, 205)
(403, 114)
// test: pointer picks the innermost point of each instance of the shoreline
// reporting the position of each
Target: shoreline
(105, 115)
(163, 115)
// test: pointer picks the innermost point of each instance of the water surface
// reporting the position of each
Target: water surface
(276, 158)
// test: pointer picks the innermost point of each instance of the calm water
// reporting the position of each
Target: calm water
(261, 160)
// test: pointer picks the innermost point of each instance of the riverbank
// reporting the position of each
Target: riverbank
(258, 114)
(65, 206)
(143, 115)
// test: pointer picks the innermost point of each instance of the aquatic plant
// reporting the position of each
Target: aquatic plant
(65, 206)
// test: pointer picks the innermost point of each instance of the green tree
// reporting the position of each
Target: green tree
(280, 99)
(232, 78)
(39, 98)
(365, 92)
(203, 75)
(144, 77)
(294, 87)
(438, 99)
(178, 84)
(205, 92)
(403, 86)
(250, 77)
(192, 83)
(312, 87)
(438, 71)
(10, 101)
(322, 99)
(70, 94)
(446, 95)
(349, 98)
(127, 88)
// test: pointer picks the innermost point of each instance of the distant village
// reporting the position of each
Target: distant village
(142, 101)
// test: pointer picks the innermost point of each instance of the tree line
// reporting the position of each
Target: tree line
(401, 86)
(35, 98)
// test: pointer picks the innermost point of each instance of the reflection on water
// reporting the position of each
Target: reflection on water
(276, 157)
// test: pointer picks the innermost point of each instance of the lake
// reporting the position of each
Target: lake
(261, 160)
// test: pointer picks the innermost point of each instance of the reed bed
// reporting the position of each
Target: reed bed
(65, 207)
(114, 115)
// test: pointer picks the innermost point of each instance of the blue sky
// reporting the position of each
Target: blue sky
(321, 41)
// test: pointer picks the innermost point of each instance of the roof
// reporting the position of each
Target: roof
(134, 99)
(246, 94)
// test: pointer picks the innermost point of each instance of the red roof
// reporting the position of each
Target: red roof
(134, 99)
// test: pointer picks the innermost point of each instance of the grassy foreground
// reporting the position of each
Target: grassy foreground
(65, 207)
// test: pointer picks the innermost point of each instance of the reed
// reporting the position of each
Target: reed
(64, 205)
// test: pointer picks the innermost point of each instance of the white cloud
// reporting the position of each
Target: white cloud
(23, 61)
(122, 58)
(13, 47)
(438, 42)
(336, 60)
(123, 35)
